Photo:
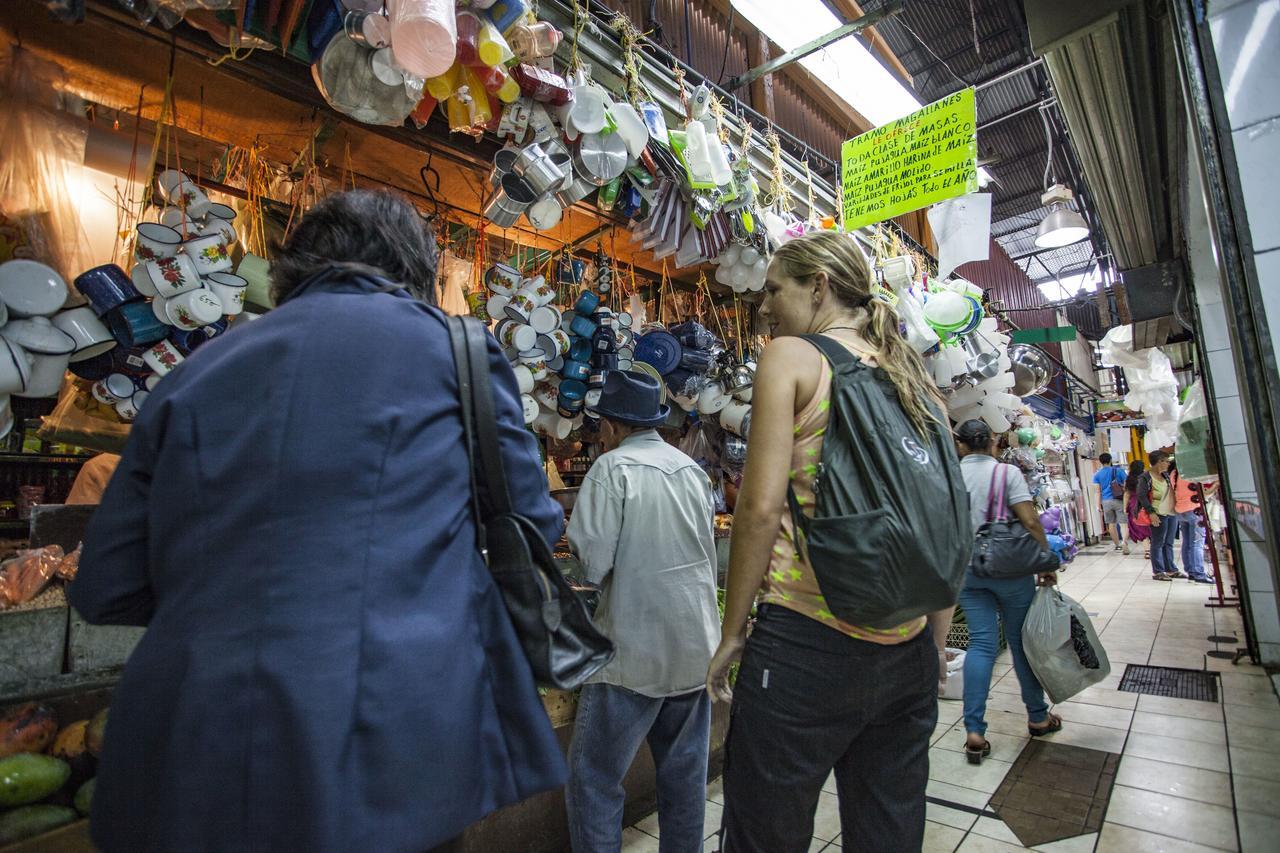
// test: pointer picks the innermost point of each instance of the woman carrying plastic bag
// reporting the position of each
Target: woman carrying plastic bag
(1061, 645)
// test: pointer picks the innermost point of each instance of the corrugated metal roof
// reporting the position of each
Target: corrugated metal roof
(935, 42)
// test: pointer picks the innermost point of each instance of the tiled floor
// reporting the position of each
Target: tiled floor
(1194, 776)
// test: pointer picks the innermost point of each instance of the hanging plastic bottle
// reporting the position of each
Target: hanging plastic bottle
(425, 35)
(720, 168)
(534, 41)
(446, 84)
(697, 153)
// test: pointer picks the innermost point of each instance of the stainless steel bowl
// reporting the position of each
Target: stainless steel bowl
(1032, 370)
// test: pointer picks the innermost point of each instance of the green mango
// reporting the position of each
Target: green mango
(84, 797)
(27, 777)
(30, 821)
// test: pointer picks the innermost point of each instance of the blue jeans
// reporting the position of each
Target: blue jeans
(611, 724)
(1192, 543)
(1162, 545)
(983, 599)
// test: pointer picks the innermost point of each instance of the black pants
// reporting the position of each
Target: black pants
(809, 700)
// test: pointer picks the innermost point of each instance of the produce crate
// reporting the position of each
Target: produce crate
(71, 698)
(33, 637)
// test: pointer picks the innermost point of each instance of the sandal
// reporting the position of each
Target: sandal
(1053, 723)
(977, 753)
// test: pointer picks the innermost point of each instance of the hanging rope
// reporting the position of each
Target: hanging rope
(580, 19)
(717, 112)
(629, 36)
(779, 193)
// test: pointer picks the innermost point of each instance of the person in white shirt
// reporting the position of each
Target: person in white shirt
(642, 527)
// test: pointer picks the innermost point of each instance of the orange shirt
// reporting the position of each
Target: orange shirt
(790, 581)
(1183, 495)
(92, 480)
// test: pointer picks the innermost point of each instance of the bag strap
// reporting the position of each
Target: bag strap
(991, 492)
(837, 355)
(1000, 476)
(486, 421)
(462, 366)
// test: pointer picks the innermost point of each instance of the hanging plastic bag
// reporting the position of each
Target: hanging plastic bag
(80, 420)
(1063, 649)
(1195, 452)
(26, 575)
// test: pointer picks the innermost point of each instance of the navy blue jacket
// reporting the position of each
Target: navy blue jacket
(328, 665)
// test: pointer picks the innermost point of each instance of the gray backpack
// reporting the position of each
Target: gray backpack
(890, 536)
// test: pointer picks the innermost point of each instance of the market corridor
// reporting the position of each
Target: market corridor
(1193, 776)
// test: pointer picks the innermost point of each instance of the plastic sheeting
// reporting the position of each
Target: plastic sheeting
(38, 212)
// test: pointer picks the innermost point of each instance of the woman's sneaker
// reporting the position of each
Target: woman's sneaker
(1176, 575)
(1161, 576)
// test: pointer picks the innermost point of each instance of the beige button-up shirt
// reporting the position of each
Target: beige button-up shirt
(642, 528)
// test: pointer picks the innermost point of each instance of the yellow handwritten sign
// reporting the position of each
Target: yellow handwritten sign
(911, 163)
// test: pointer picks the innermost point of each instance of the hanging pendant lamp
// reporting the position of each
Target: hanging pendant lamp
(1062, 226)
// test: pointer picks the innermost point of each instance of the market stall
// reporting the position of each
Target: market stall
(599, 209)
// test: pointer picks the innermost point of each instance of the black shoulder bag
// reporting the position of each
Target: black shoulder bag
(562, 644)
(1003, 548)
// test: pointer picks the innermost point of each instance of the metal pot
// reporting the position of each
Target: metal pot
(576, 192)
(601, 157)
(508, 202)
(738, 378)
(538, 169)
(565, 497)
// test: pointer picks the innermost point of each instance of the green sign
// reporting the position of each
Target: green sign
(1049, 335)
(916, 161)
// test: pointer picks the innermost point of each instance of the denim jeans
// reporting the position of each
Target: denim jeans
(983, 599)
(808, 700)
(1162, 545)
(611, 724)
(1192, 543)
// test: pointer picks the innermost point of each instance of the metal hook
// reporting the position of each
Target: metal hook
(425, 173)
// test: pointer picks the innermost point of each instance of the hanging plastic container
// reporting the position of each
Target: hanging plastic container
(446, 84)
(478, 106)
(497, 81)
(534, 41)
(424, 34)
(468, 26)
(491, 47)
(505, 14)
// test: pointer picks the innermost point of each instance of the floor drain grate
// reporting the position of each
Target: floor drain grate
(1168, 681)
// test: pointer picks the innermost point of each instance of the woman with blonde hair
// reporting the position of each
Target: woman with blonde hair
(816, 694)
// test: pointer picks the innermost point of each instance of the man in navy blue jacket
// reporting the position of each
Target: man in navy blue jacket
(328, 665)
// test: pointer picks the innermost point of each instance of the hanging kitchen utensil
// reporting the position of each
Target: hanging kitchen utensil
(601, 157)
(346, 79)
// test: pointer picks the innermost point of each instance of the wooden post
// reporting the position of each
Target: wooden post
(761, 89)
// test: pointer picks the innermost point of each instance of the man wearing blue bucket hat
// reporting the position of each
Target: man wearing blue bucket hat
(642, 528)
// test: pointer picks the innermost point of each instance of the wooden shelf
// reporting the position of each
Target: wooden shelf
(43, 459)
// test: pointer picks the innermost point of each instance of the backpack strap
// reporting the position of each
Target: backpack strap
(837, 355)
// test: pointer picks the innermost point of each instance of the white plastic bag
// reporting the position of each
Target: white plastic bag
(1062, 663)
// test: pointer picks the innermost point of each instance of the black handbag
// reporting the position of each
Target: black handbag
(562, 644)
(1003, 548)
